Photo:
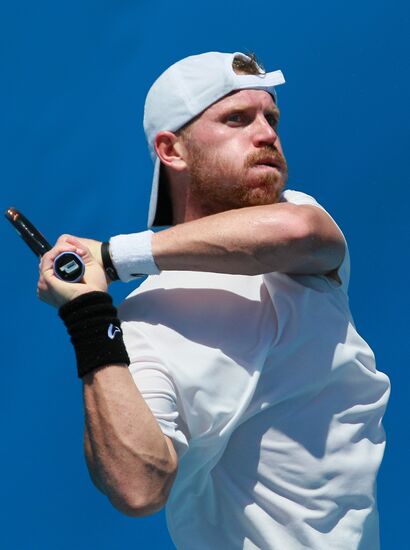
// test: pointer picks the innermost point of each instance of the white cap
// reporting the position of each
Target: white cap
(186, 89)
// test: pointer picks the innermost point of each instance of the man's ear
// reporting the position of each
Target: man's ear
(170, 150)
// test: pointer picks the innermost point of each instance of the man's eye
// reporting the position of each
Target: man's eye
(236, 118)
(272, 120)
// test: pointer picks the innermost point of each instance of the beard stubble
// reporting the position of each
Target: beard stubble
(216, 186)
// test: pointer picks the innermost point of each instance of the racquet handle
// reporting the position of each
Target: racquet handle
(68, 266)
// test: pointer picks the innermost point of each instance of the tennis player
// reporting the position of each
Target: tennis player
(232, 385)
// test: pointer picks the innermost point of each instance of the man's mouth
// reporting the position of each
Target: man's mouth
(267, 160)
(270, 163)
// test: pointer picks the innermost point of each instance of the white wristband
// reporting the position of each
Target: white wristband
(132, 255)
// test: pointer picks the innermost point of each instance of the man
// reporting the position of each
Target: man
(245, 371)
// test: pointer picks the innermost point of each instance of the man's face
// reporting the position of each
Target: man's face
(235, 158)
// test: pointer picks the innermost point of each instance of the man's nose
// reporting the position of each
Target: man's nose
(264, 133)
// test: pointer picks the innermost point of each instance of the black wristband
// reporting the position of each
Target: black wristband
(95, 330)
(107, 262)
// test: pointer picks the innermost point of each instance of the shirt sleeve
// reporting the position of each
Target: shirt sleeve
(299, 198)
(155, 383)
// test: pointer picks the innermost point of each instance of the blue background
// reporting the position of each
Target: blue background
(73, 158)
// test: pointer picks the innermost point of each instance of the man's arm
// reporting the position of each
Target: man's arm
(298, 239)
(284, 237)
(130, 459)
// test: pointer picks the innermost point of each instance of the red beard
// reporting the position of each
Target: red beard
(217, 187)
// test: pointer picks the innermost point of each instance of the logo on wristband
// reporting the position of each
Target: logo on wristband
(112, 331)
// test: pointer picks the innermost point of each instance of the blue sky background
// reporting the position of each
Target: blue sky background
(73, 158)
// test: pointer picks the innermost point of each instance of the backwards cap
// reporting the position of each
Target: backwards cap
(186, 89)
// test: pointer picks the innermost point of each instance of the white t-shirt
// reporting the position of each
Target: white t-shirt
(273, 402)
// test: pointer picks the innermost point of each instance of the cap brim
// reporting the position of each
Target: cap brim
(154, 194)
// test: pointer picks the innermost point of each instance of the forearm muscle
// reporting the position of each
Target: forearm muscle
(251, 241)
(129, 457)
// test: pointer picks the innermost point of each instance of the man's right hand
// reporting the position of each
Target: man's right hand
(52, 290)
